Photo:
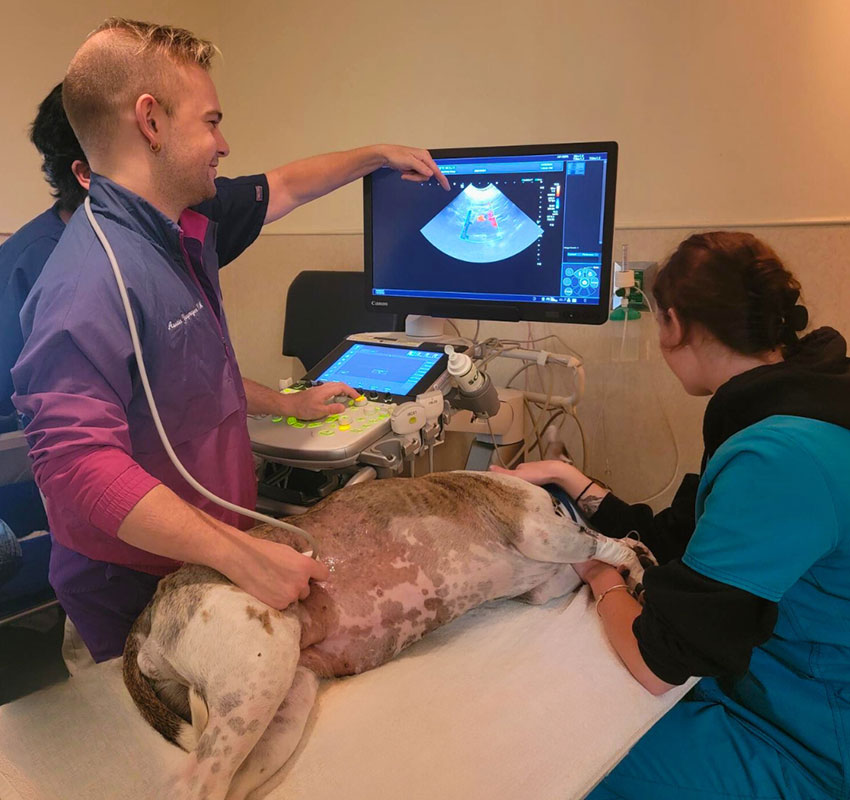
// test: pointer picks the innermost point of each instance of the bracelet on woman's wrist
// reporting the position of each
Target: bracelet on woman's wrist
(581, 493)
(610, 589)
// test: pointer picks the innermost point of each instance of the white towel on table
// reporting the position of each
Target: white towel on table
(510, 701)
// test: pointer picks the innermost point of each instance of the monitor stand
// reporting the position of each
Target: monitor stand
(420, 326)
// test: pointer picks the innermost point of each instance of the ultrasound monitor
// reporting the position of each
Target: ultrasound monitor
(524, 234)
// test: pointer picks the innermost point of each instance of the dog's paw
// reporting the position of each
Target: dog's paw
(641, 558)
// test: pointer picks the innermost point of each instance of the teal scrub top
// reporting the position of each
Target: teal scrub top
(773, 518)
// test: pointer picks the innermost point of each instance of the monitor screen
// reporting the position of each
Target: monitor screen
(389, 369)
(525, 233)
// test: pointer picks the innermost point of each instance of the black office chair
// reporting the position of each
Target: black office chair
(322, 308)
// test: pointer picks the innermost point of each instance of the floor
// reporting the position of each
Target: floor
(31, 654)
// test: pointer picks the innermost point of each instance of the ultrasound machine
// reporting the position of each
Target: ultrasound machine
(524, 234)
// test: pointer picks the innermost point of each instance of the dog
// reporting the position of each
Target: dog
(232, 681)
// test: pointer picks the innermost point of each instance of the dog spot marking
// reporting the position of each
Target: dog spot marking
(215, 767)
(391, 611)
(264, 618)
(206, 744)
(228, 702)
(237, 725)
(205, 615)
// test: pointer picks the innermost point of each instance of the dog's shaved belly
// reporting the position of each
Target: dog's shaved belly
(401, 567)
(351, 624)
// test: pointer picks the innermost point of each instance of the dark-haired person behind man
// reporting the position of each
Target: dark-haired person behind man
(22, 257)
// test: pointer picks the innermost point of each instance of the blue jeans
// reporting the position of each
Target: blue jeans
(698, 751)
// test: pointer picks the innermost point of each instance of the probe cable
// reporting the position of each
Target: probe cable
(134, 335)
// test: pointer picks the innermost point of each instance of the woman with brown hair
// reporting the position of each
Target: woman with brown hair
(752, 590)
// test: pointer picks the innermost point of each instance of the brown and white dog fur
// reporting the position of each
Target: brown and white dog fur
(232, 681)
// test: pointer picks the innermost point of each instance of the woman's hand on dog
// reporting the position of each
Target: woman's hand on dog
(274, 573)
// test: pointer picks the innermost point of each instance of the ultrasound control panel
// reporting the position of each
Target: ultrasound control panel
(384, 374)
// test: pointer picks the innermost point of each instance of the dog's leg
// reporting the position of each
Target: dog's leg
(564, 581)
(544, 535)
(238, 657)
(259, 773)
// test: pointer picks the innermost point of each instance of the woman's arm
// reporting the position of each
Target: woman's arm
(666, 533)
(618, 610)
(572, 480)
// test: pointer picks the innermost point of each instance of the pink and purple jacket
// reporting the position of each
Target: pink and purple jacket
(94, 447)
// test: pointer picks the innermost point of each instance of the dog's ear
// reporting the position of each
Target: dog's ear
(199, 710)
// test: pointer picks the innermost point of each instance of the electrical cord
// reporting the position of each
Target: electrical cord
(143, 374)
(555, 336)
(571, 412)
(495, 445)
(538, 433)
(493, 435)
(529, 446)
(675, 475)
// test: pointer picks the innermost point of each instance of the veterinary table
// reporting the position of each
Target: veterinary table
(510, 701)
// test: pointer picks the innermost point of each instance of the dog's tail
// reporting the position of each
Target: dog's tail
(163, 719)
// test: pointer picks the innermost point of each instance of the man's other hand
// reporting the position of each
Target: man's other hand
(313, 403)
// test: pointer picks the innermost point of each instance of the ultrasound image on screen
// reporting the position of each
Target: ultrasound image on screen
(526, 229)
(481, 225)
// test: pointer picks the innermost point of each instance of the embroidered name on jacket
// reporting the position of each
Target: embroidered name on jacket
(186, 316)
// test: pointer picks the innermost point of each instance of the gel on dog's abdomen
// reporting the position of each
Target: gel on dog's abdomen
(407, 556)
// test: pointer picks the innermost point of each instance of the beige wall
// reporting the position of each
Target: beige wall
(726, 111)
(37, 40)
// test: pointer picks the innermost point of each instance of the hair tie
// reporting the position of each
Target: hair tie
(797, 318)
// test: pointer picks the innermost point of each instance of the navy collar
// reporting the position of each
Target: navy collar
(133, 212)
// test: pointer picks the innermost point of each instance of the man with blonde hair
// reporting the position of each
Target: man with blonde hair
(145, 110)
